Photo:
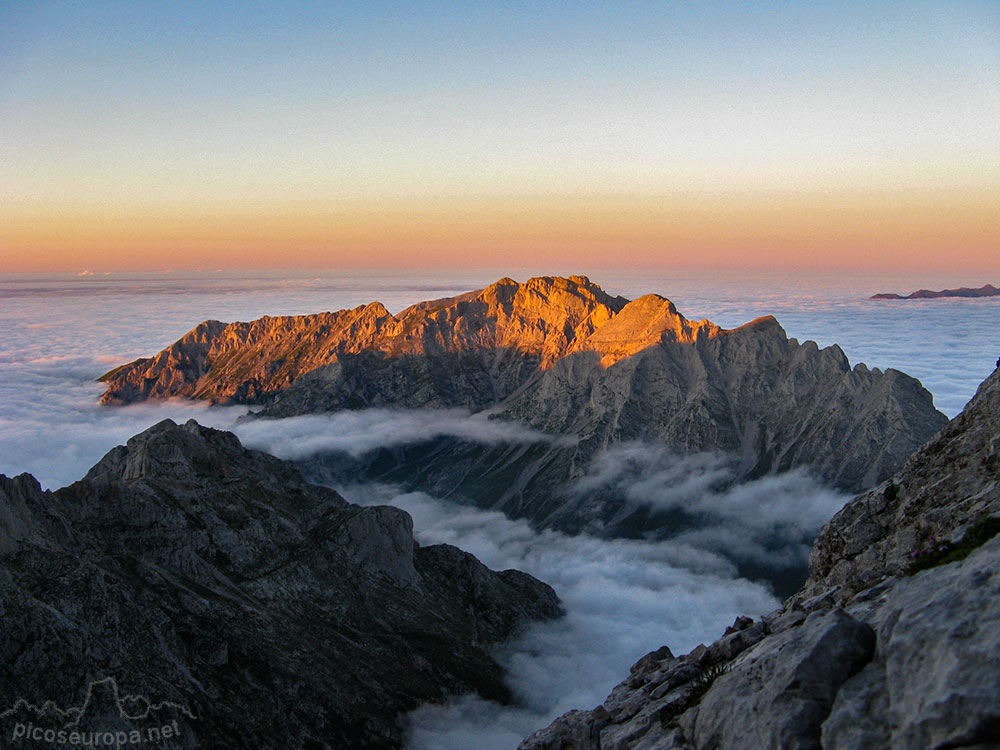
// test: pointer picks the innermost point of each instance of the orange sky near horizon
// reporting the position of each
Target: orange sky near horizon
(908, 230)
(841, 136)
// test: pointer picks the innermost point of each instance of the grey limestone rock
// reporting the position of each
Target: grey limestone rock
(777, 695)
(192, 570)
(935, 677)
(949, 483)
(866, 655)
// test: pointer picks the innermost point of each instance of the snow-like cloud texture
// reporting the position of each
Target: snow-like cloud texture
(770, 521)
(623, 598)
(358, 432)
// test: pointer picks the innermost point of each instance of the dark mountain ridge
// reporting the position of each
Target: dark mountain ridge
(195, 571)
(987, 290)
(564, 357)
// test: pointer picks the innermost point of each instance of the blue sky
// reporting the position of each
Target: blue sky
(146, 105)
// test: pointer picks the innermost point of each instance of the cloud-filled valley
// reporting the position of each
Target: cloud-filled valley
(623, 597)
(769, 521)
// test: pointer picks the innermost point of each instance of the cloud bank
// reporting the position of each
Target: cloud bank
(770, 521)
(358, 432)
(623, 598)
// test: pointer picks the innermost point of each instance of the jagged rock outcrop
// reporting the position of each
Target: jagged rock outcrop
(566, 358)
(194, 571)
(472, 350)
(872, 652)
(752, 392)
(947, 484)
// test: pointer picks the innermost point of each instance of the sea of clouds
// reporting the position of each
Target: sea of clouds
(770, 522)
(623, 598)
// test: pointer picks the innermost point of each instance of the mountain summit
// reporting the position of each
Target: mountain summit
(986, 290)
(509, 329)
(565, 357)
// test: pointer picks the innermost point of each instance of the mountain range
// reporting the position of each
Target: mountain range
(566, 359)
(987, 290)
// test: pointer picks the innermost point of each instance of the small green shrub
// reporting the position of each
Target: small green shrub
(699, 686)
(703, 681)
(942, 553)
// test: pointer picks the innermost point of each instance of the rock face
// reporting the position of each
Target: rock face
(472, 350)
(867, 654)
(564, 357)
(193, 571)
(774, 404)
(949, 483)
(987, 290)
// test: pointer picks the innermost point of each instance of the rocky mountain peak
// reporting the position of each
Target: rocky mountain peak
(17, 494)
(186, 455)
(536, 322)
(641, 324)
(563, 356)
(216, 577)
(892, 642)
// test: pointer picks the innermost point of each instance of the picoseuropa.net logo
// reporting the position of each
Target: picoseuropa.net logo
(104, 719)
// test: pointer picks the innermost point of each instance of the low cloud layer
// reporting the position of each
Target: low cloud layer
(60, 431)
(358, 432)
(770, 521)
(622, 598)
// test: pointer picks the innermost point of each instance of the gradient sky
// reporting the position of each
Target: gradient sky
(789, 135)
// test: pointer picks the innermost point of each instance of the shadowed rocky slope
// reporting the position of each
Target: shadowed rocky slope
(894, 641)
(562, 356)
(195, 571)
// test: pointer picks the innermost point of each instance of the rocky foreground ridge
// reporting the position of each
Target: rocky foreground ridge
(562, 356)
(193, 571)
(894, 641)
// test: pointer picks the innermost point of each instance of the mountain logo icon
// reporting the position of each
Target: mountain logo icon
(106, 717)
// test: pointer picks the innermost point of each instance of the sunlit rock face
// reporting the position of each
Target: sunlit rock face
(871, 652)
(511, 329)
(566, 358)
(196, 571)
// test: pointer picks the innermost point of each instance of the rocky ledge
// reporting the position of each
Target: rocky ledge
(190, 570)
(894, 641)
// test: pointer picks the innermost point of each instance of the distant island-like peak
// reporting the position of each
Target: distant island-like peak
(987, 290)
